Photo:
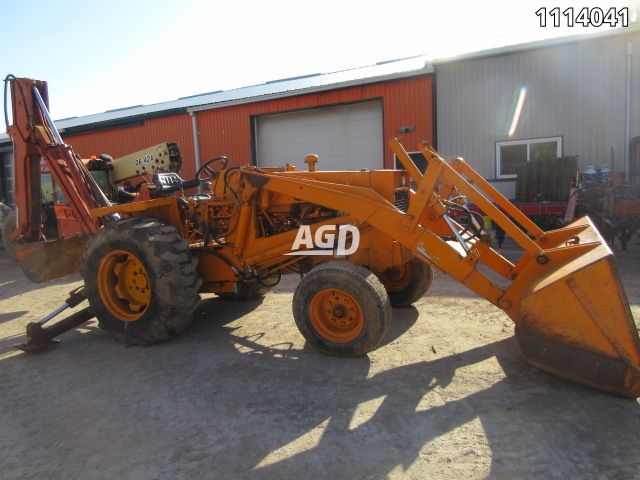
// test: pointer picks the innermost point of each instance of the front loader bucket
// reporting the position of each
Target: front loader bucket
(571, 314)
(574, 320)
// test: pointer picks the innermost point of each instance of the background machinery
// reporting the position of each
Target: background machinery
(370, 242)
(118, 178)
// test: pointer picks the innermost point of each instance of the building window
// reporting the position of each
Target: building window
(512, 153)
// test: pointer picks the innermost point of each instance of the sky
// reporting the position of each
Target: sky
(101, 55)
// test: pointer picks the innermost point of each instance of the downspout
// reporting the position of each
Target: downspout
(196, 142)
(627, 111)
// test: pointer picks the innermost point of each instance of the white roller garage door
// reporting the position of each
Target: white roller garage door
(346, 137)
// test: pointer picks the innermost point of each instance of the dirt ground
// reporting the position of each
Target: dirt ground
(238, 395)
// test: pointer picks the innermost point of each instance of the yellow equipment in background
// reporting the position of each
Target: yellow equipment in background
(164, 157)
(110, 173)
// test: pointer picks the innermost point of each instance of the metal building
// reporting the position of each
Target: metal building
(345, 117)
(569, 96)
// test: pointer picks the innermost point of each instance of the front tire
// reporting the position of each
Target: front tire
(342, 309)
(141, 281)
(407, 284)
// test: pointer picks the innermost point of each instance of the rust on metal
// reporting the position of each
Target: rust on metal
(40, 338)
(43, 261)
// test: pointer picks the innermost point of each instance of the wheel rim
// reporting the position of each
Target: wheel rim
(336, 315)
(396, 279)
(123, 284)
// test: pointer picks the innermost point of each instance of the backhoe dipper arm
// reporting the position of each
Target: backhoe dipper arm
(35, 137)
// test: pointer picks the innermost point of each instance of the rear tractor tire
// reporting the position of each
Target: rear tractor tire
(342, 309)
(407, 284)
(141, 281)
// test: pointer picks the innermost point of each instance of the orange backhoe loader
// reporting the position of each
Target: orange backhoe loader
(365, 241)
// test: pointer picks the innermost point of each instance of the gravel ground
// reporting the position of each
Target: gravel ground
(239, 395)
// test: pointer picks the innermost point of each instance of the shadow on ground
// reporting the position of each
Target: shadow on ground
(217, 403)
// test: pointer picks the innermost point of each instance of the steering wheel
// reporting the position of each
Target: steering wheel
(205, 172)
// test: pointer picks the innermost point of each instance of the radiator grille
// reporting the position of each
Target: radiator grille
(401, 200)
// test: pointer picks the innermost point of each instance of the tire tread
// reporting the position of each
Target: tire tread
(175, 296)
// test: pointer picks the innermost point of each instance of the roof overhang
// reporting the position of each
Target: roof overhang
(382, 72)
(427, 70)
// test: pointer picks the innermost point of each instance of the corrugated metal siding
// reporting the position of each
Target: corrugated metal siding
(7, 190)
(123, 140)
(635, 87)
(227, 131)
(576, 91)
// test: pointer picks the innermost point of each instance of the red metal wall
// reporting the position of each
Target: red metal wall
(227, 131)
(407, 102)
(127, 139)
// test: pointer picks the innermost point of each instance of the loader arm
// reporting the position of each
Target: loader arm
(592, 339)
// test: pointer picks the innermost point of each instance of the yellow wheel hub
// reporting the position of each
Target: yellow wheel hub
(336, 315)
(124, 286)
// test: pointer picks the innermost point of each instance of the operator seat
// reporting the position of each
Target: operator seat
(170, 182)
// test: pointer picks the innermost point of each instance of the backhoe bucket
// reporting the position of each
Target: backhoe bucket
(45, 261)
(574, 319)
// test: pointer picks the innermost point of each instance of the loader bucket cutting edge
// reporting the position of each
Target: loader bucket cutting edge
(575, 322)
